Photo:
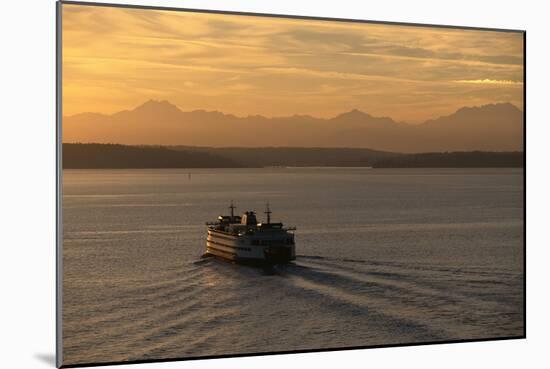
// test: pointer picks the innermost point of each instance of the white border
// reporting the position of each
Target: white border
(28, 182)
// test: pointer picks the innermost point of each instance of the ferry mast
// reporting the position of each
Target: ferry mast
(232, 207)
(268, 213)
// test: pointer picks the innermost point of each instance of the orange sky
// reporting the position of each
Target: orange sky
(117, 58)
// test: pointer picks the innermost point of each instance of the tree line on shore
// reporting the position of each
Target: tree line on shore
(115, 156)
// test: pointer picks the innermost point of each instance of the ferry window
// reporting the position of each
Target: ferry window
(255, 242)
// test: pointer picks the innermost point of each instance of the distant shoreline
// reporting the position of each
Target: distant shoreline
(189, 170)
(115, 156)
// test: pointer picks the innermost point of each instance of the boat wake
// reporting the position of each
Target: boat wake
(209, 306)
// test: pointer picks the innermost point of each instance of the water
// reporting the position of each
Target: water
(386, 256)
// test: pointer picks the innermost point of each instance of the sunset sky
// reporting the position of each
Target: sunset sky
(116, 59)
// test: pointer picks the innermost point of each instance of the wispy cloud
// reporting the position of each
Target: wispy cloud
(115, 58)
(490, 82)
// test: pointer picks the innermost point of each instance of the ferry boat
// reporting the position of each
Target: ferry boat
(244, 239)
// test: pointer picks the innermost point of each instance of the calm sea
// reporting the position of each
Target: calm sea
(385, 256)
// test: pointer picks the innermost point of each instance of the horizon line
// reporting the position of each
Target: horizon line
(289, 147)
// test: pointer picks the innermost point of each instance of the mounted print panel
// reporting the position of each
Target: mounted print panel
(239, 184)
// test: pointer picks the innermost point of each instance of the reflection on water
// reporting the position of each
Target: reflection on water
(385, 257)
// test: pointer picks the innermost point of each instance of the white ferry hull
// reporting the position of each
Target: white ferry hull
(246, 248)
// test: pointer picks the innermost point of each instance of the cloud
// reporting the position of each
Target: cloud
(116, 58)
(491, 82)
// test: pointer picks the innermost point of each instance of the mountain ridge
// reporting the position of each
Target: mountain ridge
(490, 127)
(153, 102)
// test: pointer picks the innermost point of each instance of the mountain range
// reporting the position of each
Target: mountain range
(493, 127)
